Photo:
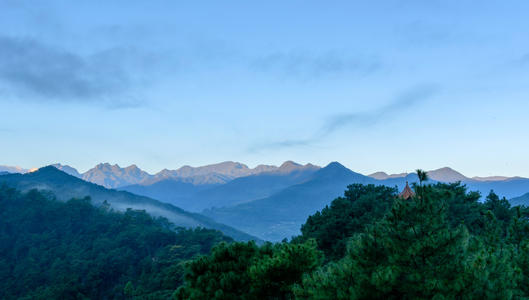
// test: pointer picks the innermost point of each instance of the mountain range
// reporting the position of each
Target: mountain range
(445, 174)
(268, 202)
(281, 214)
(197, 197)
(509, 187)
(113, 176)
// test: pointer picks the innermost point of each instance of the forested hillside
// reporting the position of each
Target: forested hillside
(65, 187)
(74, 250)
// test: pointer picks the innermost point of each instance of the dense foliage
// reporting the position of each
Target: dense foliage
(415, 253)
(335, 224)
(247, 271)
(74, 250)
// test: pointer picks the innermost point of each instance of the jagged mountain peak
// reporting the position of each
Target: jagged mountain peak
(113, 176)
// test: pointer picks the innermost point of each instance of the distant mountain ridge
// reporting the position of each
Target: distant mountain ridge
(384, 175)
(493, 178)
(114, 176)
(445, 174)
(182, 192)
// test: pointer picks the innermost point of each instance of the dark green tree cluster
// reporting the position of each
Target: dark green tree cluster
(361, 205)
(74, 250)
(414, 252)
(247, 271)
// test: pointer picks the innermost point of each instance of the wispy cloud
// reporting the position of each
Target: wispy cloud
(31, 68)
(305, 65)
(334, 123)
(425, 34)
(524, 60)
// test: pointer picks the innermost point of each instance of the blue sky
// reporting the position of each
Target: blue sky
(375, 85)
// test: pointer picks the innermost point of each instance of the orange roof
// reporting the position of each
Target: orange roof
(407, 192)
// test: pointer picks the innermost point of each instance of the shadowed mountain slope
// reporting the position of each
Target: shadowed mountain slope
(185, 193)
(281, 215)
(522, 200)
(510, 188)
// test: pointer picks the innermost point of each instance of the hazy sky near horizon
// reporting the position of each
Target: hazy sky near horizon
(375, 85)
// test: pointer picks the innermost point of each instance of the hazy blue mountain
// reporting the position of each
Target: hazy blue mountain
(246, 189)
(522, 200)
(65, 187)
(510, 188)
(228, 168)
(4, 173)
(384, 175)
(178, 191)
(281, 214)
(205, 179)
(113, 176)
(492, 178)
(445, 174)
(193, 195)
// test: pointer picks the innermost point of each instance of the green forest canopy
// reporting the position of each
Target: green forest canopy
(74, 250)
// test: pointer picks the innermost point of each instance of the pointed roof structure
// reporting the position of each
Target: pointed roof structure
(407, 192)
